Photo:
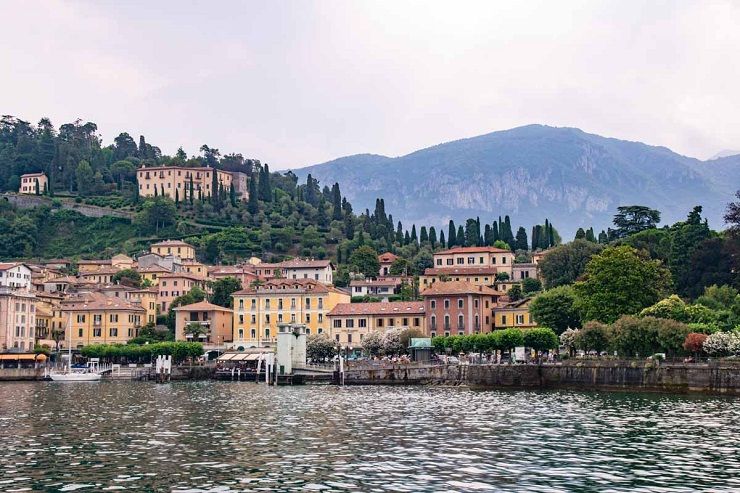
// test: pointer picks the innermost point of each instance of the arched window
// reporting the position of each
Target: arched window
(241, 333)
(434, 322)
(460, 321)
(447, 322)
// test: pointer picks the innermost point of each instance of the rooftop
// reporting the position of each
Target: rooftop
(451, 271)
(472, 249)
(202, 306)
(387, 257)
(381, 281)
(172, 243)
(40, 173)
(289, 286)
(98, 301)
(457, 287)
(389, 308)
(305, 264)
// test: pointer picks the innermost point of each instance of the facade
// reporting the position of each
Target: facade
(152, 273)
(480, 276)
(467, 257)
(176, 284)
(316, 270)
(29, 181)
(524, 271)
(351, 322)
(122, 262)
(94, 318)
(177, 248)
(171, 263)
(259, 309)
(100, 276)
(216, 322)
(386, 260)
(175, 181)
(382, 287)
(17, 320)
(194, 267)
(514, 314)
(15, 275)
(458, 308)
(245, 273)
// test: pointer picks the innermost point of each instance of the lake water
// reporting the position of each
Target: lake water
(225, 436)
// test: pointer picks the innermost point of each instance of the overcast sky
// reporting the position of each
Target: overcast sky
(298, 83)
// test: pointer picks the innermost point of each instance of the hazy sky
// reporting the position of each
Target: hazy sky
(297, 83)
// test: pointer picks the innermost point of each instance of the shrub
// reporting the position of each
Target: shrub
(694, 342)
(722, 344)
(594, 336)
(540, 339)
(568, 340)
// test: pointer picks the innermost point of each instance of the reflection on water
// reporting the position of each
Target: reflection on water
(224, 437)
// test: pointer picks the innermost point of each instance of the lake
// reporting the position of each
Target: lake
(225, 437)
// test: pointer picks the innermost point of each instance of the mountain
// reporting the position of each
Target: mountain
(574, 178)
(724, 153)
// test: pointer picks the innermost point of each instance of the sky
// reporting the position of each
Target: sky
(295, 83)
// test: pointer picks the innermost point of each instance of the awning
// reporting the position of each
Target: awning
(227, 356)
(253, 356)
(16, 357)
(239, 357)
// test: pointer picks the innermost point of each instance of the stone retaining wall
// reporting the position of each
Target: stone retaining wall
(716, 377)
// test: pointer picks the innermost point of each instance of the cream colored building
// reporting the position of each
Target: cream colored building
(175, 181)
(28, 183)
(351, 322)
(147, 299)
(472, 257)
(17, 319)
(259, 309)
(94, 318)
(185, 251)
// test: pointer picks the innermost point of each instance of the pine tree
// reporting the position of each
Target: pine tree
(451, 236)
(580, 234)
(432, 237)
(442, 242)
(496, 232)
(192, 190)
(590, 235)
(232, 195)
(399, 233)
(38, 188)
(460, 236)
(414, 238)
(406, 238)
(177, 198)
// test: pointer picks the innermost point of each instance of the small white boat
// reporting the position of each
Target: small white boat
(90, 374)
(74, 376)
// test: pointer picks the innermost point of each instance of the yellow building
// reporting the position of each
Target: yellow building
(94, 318)
(194, 267)
(350, 322)
(174, 181)
(86, 266)
(147, 298)
(260, 308)
(29, 181)
(513, 314)
(179, 248)
(480, 276)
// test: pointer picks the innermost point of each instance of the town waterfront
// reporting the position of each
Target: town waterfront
(223, 436)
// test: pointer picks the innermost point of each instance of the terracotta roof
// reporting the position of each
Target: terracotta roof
(98, 301)
(387, 258)
(41, 173)
(182, 275)
(288, 286)
(10, 265)
(457, 271)
(389, 308)
(304, 264)
(202, 306)
(153, 268)
(152, 290)
(104, 270)
(457, 287)
(172, 243)
(473, 249)
(507, 304)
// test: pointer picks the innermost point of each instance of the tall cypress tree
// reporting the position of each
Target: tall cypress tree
(336, 197)
(535, 238)
(232, 195)
(508, 234)
(496, 233)
(414, 238)
(253, 201)
(192, 190)
(442, 242)
(423, 235)
(521, 239)
(451, 235)
(399, 233)
(460, 236)
(432, 237)
(177, 198)
(214, 187)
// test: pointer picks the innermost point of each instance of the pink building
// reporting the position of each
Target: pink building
(17, 319)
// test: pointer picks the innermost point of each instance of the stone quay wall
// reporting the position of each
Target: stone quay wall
(714, 377)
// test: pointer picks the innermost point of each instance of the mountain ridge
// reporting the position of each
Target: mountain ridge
(533, 172)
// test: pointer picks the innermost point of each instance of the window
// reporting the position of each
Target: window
(79, 332)
(475, 303)
(308, 303)
(337, 324)
(113, 317)
(321, 303)
(97, 332)
(80, 319)
(391, 322)
(253, 333)
(254, 304)
(292, 317)
(480, 260)
(433, 304)
(267, 318)
(519, 320)
(254, 318)
(280, 317)
(267, 333)
(380, 322)
(405, 322)
(350, 323)
(433, 322)
(292, 303)
(97, 319)
(459, 302)
(439, 261)
(503, 260)
(460, 261)
(362, 323)
(241, 304)
(131, 332)
(471, 260)
(241, 333)
(447, 304)
(321, 317)
(417, 322)
(460, 322)
(349, 338)
(113, 332)
(241, 319)
(450, 261)
(267, 304)
(503, 320)
(308, 318)
(447, 322)
(477, 323)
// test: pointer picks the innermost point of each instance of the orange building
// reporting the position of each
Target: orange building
(29, 181)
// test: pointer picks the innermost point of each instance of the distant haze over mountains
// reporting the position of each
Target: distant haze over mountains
(531, 173)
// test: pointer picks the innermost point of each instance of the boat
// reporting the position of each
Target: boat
(89, 374)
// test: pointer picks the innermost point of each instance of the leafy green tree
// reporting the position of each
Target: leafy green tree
(129, 277)
(222, 289)
(564, 264)
(372, 343)
(521, 239)
(156, 213)
(365, 260)
(540, 339)
(620, 281)
(531, 285)
(515, 293)
(580, 234)
(510, 338)
(400, 267)
(555, 309)
(594, 336)
(422, 260)
(85, 175)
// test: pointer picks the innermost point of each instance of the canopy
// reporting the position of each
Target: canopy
(16, 357)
